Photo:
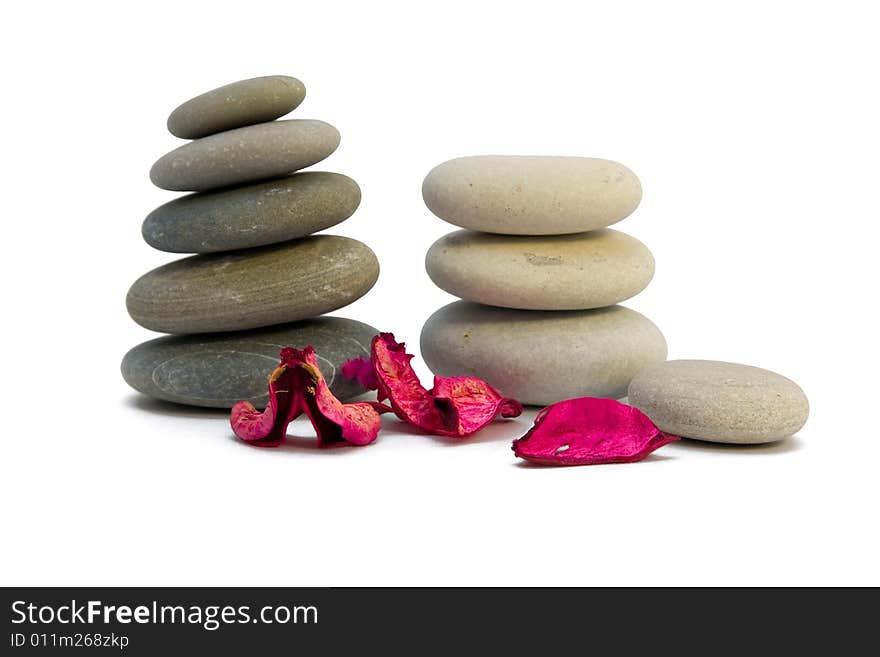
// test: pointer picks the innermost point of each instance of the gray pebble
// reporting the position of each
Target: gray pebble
(234, 157)
(219, 369)
(241, 103)
(253, 215)
(252, 288)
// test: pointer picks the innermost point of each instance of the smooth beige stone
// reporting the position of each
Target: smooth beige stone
(531, 195)
(720, 402)
(245, 154)
(553, 272)
(254, 287)
(238, 104)
(542, 357)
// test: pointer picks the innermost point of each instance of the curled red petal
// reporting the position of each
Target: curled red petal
(357, 423)
(589, 431)
(297, 385)
(398, 383)
(456, 406)
(470, 403)
(268, 428)
(360, 369)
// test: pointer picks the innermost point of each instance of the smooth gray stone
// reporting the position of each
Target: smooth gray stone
(720, 402)
(547, 272)
(234, 157)
(254, 215)
(219, 369)
(235, 105)
(259, 287)
(541, 357)
(531, 195)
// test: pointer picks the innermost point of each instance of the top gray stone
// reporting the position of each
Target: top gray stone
(720, 402)
(236, 105)
(529, 195)
(245, 154)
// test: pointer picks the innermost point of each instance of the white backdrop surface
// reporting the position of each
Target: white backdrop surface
(753, 128)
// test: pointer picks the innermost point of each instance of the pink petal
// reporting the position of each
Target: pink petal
(470, 403)
(588, 431)
(361, 370)
(297, 385)
(398, 383)
(269, 427)
(456, 406)
(356, 423)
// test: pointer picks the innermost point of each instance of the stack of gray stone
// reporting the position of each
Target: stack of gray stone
(540, 276)
(260, 279)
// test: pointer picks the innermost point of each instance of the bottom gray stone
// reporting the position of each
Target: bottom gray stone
(218, 369)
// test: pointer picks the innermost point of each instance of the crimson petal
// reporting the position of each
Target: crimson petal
(297, 386)
(589, 431)
(470, 403)
(456, 406)
(268, 428)
(360, 369)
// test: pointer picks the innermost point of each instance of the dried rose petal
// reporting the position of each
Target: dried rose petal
(398, 383)
(269, 427)
(469, 403)
(588, 431)
(356, 423)
(360, 369)
(456, 406)
(297, 386)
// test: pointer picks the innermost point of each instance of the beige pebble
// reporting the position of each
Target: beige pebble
(554, 272)
(531, 195)
(540, 357)
(720, 402)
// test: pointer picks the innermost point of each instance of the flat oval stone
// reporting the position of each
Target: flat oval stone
(542, 357)
(254, 215)
(245, 154)
(720, 402)
(216, 370)
(253, 288)
(531, 195)
(550, 272)
(235, 105)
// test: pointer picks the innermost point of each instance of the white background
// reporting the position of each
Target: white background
(753, 127)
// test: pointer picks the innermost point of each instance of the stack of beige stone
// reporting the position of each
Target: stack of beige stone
(540, 276)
